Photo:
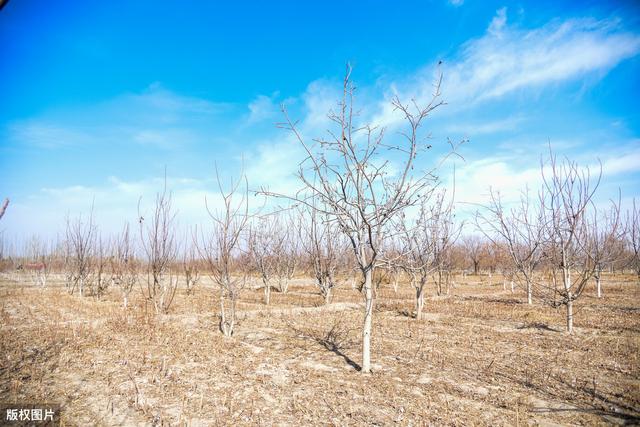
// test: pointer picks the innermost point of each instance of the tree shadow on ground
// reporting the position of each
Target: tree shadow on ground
(539, 325)
(333, 340)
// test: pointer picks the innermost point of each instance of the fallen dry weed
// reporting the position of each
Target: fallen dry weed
(481, 356)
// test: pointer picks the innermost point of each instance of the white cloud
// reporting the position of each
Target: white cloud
(484, 127)
(498, 22)
(262, 108)
(507, 59)
(46, 135)
(156, 117)
(114, 203)
(510, 174)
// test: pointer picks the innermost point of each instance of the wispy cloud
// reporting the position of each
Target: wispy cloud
(508, 59)
(156, 117)
(263, 108)
(484, 127)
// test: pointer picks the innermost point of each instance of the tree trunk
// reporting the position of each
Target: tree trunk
(267, 292)
(327, 296)
(529, 293)
(366, 328)
(570, 313)
(223, 319)
(598, 284)
(419, 300)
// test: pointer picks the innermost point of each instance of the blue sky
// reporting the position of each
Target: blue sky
(97, 98)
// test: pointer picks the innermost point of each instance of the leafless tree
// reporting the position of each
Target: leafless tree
(560, 233)
(607, 234)
(79, 252)
(566, 198)
(473, 246)
(445, 233)
(520, 230)
(322, 243)
(124, 266)
(157, 238)
(287, 251)
(633, 237)
(417, 254)
(425, 244)
(39, 265)
(101, 278)
(266, 241)
(222, 247)
(345, 178)
(190, 265)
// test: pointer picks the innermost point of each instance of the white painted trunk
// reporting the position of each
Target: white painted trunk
(366, 328)
(419, 301)
(570, 314)
(327, 296)
(267, 293)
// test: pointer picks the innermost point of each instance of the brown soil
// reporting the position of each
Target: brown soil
(480, 357)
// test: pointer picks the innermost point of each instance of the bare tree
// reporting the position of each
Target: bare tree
(222, 247)
(100, 281)
(417, 254)
(565, 198)
(124, 266)
(287, 252)
(607, 234)
(39, 255)
(345, 178)
(322, 243)
(560, 233)
(190, 267)
(473, 246)
(520, 230)
(266, 241)
(157, 237)
(79, 252)
(633, 237)
(426, 242)
(445, 233)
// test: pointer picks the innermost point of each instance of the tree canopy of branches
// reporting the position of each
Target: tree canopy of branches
(124, 266)
(157, 237)
(559, 233)
(323, 244)
(80, 251)
(346, 176)
(222, 249)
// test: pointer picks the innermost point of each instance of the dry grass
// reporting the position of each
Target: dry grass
(480, 357)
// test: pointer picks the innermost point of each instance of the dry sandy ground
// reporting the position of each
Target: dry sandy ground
(481, 357)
